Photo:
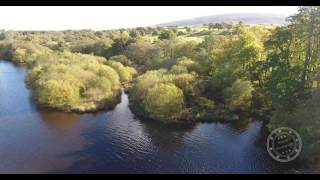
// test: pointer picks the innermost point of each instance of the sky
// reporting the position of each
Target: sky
(114, 17)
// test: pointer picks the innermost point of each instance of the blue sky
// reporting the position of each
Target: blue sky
(113, 17)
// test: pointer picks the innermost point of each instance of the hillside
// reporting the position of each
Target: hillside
(247, 18)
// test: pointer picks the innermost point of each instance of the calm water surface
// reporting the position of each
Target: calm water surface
(34, 140)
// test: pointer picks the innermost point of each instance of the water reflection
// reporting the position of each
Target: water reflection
(119, 143)
(58, 120)
(165, 136)
(241, 124)
(35, 140)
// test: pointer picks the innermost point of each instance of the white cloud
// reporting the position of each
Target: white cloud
(97, 18)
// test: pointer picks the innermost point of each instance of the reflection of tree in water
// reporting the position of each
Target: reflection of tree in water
(57, 119)
(263, 134)
(242, 123)
(167, 137)
(105, 155)
(95, 157)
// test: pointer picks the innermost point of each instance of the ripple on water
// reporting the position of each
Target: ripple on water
(117, 142)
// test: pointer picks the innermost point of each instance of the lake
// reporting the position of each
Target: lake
(36, 140)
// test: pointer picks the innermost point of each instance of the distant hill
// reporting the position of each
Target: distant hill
(247, 18)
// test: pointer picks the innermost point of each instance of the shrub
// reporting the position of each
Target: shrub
(86, 83)
(305, 119)
(19, 55)
(239, 95)
(121, 59)
(58, 93)
(167, 34)
(164, 102)
(185, 65)
(125, 73)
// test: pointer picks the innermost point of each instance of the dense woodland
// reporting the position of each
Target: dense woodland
(218, 71)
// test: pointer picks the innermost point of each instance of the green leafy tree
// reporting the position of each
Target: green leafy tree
(239, 95)
(304, 118)
(188, 29)
(19, 56)
(164, 102)
(57, 92)
(122, 59)
(167, 34)
(125, 73)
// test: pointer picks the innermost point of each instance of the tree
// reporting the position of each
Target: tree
(19, 56)
(141, 30)
(188, 29)
(58, 93)
(187, 48)
(305, 25)
(74, 82)
(187, 64)
(167, 34)
(155, 33)
(121, 59)
(135, 35)
(282, 73)
(293, 57)
(210, 26)
(2, 35)
(294, 61)
(180, 33)
(217, 26)
(164, 102)
(304, 118)
(142, 52)
(121, 41)
(239, 95)
(125, 73)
